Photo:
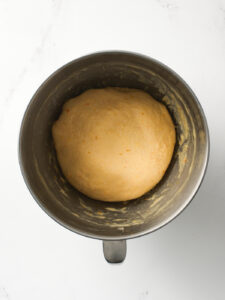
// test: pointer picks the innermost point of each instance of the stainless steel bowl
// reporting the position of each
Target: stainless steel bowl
(113, 222)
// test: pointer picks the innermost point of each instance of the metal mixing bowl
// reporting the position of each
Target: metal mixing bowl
(113, 222)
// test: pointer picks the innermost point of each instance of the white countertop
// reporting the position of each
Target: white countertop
(39, 259)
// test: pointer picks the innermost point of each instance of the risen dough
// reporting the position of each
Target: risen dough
(114, 144)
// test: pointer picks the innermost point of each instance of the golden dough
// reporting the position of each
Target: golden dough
(114, 144)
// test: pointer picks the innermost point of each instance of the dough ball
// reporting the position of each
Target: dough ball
(114, 144)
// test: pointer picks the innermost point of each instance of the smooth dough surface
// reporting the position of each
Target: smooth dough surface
(114, 144)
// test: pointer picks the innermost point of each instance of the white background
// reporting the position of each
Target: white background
(39, 259)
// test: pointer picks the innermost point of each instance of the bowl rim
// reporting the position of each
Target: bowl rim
(195, 187)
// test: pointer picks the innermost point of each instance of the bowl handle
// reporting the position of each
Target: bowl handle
(115, 251)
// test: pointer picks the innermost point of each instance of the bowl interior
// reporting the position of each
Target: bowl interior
(124, 219)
